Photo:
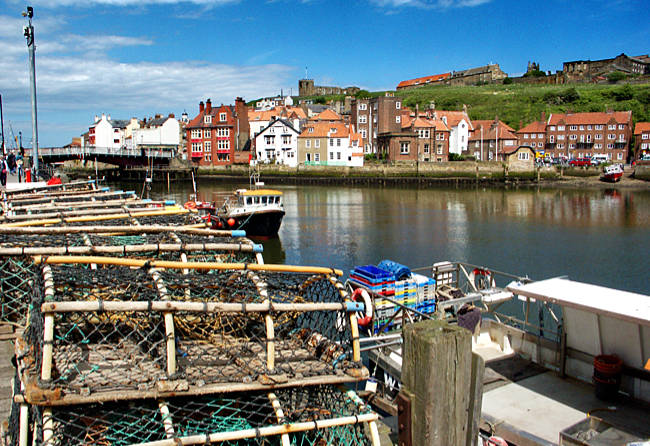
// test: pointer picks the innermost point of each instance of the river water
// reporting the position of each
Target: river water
(596, 236)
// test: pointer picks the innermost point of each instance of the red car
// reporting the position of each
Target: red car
(580, 162)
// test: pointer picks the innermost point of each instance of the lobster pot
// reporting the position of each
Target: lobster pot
(40, 191)
(117, 333)
(300, 416)
(20, 202)
(16, 287)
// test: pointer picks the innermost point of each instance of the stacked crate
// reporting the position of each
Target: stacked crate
(374, 279)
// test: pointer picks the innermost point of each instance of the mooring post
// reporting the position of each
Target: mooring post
(442, 383)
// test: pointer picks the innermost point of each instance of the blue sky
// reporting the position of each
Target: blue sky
(136, 58)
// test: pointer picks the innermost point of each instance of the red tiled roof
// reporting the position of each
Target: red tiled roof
(641, 127)
(327, 115)
(533, 127)
(454, 117)
(424, 80)
(621, 117)
(490, 131)
(437, 124)
(265, 115)
(322, 129)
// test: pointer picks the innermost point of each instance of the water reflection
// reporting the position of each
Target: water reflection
(598, 236)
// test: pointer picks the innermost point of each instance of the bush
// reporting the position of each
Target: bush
(362, 94)
(615, 76)
(535, 73)
(507, 81)
(624, 93)
(456, 157)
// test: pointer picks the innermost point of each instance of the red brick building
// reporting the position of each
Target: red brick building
(533, 135)
(420, 139)
(219, 135)
(373, 116)
(577, 135)
(642, 139)
(490, 139)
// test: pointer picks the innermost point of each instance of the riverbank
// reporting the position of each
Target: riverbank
(467, 173)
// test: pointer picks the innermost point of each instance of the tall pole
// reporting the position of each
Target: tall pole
(29, 35)
(2, 128)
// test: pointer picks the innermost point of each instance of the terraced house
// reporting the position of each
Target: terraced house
(577, 135)
(219, 135)
(329, 143)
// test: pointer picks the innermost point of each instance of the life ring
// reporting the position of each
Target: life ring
(190, 205)
(482, 279)
(361, 295)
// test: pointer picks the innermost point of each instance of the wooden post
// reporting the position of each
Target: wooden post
(439, 369)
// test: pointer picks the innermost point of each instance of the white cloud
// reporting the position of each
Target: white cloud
(76, 80)
(428, 4)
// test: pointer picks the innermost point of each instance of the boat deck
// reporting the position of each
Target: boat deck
(528, 405)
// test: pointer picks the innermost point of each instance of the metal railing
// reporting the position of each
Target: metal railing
(121, 152)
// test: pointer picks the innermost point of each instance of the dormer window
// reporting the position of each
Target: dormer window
(311, 130)
(207, 119)
(222, 117)
(333, 130)
(398, 105)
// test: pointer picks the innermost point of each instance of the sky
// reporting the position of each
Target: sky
(137, 58)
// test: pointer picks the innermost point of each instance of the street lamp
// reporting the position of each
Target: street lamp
(29, 35)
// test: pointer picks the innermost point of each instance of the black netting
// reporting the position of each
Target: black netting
(16, 285)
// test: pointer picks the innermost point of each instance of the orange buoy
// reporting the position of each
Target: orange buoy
(190, 205)
(231, 221)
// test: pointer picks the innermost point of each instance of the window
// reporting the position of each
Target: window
(208, 158)
(338, 155)
(551, 139)
(523, 156)
(197, 147)
(223, 132)
(610, 146)
(573, 137)
(611, 127)
(525, 135)
(588, 138)
(645, 136)
(310, 130)
(611, 136)
(560, 137)
(509, 142)
(621, 138)
(582, 127)
(363, 119)
(552, 128)
(404, 148)
(598, 146)
(338, 142)
(582, 138)
(619, 156)
(308, 157)
(572, 146)
(269, 139)
(363, 106)
(560, 128)
(439, 149)
(286, 139)
(599, 127)
(426, 148)
(398, 105)
(316, 157)
(540, 144)
(207, 146)
(222, 117)
(423, 133)
(598, 136)
(317, 143)
(398, 119)
(332, 156)
(196, 134)
(207, 134)
(223, 144)
(364, 133)
(560, 146)
(116, 141)
(308, 143)
(589, 127)
(331, 142)
(223, 157)
(207, 119)
(540, 135)
(573, 127)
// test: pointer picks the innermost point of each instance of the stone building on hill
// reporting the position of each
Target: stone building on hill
(306, 87)
(588, 70)
(486, 74)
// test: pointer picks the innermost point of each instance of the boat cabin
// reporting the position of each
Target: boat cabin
(258, 197)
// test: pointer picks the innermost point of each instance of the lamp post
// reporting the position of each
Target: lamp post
(29, 35)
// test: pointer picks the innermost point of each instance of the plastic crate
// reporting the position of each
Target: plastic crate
(372, 272)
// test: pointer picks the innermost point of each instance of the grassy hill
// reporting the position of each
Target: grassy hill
(517, 102)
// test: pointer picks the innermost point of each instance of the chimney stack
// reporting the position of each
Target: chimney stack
(201, 107)
(208, 106)
(543, 116)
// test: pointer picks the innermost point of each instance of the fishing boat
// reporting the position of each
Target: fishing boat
(259, 212)
(612, 173)
(551, 346)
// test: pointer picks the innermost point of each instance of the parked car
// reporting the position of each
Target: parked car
(599, 159)
(580, 162)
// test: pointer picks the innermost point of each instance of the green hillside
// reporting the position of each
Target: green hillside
(517, 102)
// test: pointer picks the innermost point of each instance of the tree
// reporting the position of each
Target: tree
(615, 76)
(507, 81)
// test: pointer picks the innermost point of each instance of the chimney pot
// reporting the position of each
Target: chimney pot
(201, 107)
(208, 106)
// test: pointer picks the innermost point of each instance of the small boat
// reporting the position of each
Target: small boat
(612, 173)
(259, 212)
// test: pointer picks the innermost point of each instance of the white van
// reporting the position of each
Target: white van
(599, 159)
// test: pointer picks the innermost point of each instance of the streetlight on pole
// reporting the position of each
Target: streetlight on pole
(29, 35)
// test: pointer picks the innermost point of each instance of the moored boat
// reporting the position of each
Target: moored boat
(259, 212)
(612, 173)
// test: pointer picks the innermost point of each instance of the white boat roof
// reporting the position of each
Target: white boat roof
(597, 299)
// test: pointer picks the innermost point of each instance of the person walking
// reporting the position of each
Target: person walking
(11, 162)
(19, 167)
(3, 171)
